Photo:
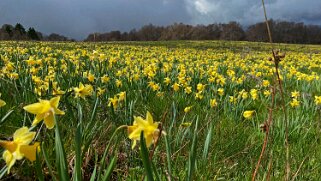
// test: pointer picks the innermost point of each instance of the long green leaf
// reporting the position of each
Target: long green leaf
(110, 169)
(192, 155)
(145, 158)
(93, 175)
(207, 143)
(61, 160)
(39, 173)
(45, 156)
(168, 156)
(78, 159)
(103, 159)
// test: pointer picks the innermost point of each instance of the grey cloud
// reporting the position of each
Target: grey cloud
(250, 11)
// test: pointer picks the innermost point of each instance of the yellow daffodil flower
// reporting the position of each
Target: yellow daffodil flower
(119, 83)
(91, 77)
(167, 80)
(45, 110)
(265, 83)
(317, 100)
(267, 93)
(253, 93)
(199, 95)
(105, 79)
(188, 90)
(220, 91)
(113, 102)
(295, 94)
(294, 103)
(19, 147)
(175, 87)
(232, 99)
(151, 131)
(100, 91)
(248, 114)
(200, 87)
(213, 103)
(121, 96)
(187, 109)
(83, 90)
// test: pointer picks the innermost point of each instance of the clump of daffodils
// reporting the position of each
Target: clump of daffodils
(295, 102)
(117, 99)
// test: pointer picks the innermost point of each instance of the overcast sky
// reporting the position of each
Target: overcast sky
(78, 18)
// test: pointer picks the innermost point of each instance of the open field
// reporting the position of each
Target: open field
(198, 91)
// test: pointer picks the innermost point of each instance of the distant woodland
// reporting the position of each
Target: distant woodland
(282, 32)
(18, 32)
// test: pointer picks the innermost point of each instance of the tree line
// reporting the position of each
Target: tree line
(18, 32)
(282, 32)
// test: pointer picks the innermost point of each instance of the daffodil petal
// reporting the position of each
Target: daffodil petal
(130, 129)
(8, 145)
(9, 159)
(35, 108)
(58, 111)
(23, 136)
(135, 134)
(2, 103)
(49, 121)
(29, 151)
(81, 86)
(140, 121)
(38, 118)
(149, 118)
(134, 144)
(54, 102)
(149, 140)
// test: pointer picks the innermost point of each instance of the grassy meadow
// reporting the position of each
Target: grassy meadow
(178, 110)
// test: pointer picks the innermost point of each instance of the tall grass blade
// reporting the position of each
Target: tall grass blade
(3, 171)
(5, 117)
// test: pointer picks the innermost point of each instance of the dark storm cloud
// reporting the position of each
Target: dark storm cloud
(78, 18)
